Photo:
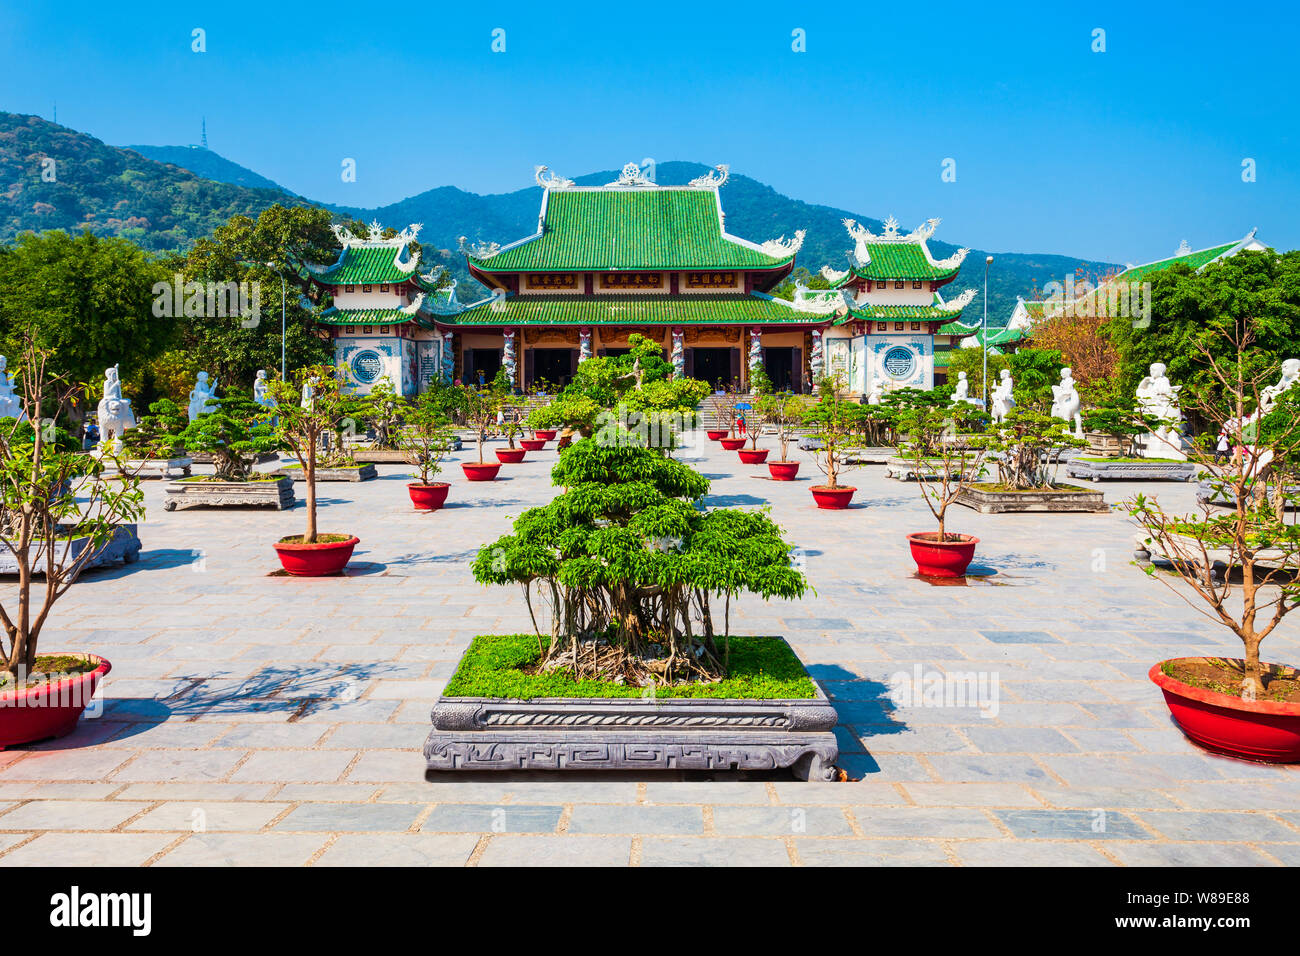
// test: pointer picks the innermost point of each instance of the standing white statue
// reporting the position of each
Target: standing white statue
(1066, 403)
(1157, 397)
(114, 412)
(1290, 375)
(10, 406)
(308, 395)
(1001, 400)
(259, 390)
(961, 393)
(876, 393)
(202, 395)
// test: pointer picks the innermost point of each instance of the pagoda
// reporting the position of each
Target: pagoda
(886, 339)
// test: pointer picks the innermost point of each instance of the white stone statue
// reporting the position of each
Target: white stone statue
(962, 394)
(308, 395)
(202, 395)
(10, 405)
(1157, 397)
(1290, 375)
(876, 393)
(114, 413)
(1066, 403)
(1001, 401)
(259, 390)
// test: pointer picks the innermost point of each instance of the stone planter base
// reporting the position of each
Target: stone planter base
(1130, 470)
(1003, 502)
(390, 456)
(872, 455)
(205, 458)
(906, 469)
(1206, 494)
(480, 733)
(230, 494)
(122, 548)
(359, 473)
(159, 467)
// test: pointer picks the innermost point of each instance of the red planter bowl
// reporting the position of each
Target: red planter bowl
(1254, 729)
(315, 560)
(487, 471)
(511, 456)
(428, 497)
(533, 444)
(545, 434)
(48, 710)
(753, 456)
(783, 470)
(716, 435)
(732, 444)
(835, 499)
(942, 559)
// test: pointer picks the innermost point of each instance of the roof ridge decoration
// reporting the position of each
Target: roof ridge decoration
(632, 176)
(952, 262)
(781, 247)
(955, 304)
(820, 302)
(446, 304)
(712, 180)
(1184, 249)
(375, 237)
(478, 249)
(549, 180)
(830, 275)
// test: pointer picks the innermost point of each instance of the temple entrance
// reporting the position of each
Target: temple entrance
(718, 367)
(481, 366)
(555, 367)
(614, 353)
(782, 365)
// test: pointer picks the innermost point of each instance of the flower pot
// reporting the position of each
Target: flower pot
(753, 456)
(485, 471)
(315, 560)
(716, 435)
(533, 444)
(511, 456)
(783, 470)
(1254, 729)
(835, 499)
(429, 497)
(545, 434)
(942, 559)
(732, 444)
(48, 710)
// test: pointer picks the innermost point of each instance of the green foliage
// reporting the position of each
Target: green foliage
(1027, 444)
(157, 434)
(425, 435)
(932, 445)
(971, 361)
(234, 433)
(833, 421)
(566, 411)
(1122, 421)
(762, 668)
(380, 411)
(1035, 371)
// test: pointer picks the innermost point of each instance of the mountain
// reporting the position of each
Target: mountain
(165, 197)
(205, 163)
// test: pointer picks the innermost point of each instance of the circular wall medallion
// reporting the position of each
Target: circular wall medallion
(900, 362)
(367, 366)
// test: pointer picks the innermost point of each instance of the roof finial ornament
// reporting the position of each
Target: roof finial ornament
(783, 247)
(1183, 249)
(478, 250)
(712, 180)
(831, 276)
(632, 175)
(549, 180)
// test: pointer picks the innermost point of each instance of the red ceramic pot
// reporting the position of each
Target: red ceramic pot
(474, 471)
(427, 497)
(545, 434)
(51, 709)
(732, 444)
(942, 559)
(835, 499)
(783, 470)
(1254, 729)
(753, 456)
(532, 444)
(511, 456)
(315, 560)
(716, 435)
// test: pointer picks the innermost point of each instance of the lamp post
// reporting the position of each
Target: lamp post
(988, 261)
(271, 266)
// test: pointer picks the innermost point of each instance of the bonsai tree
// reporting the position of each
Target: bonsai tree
(567, 411)
(631, 566)
(929, 432)
(831, 422)
(512, 418)
(425, 437)
(1122, 422)
(234, 434)
(1252, 535)
(308, 407)
(381, 412)
(157, 434)
(783, 411)
(481, 406)
(1027, 443)
(54, 495)
(755, 419)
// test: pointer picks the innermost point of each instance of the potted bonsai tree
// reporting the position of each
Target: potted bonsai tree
(727, 412)
(59, 514)
(424, 440)
(755, 419)
(939, 553)
(481, 406)
(234, 434)
(783, 411)
(1027, 446)
(154, 446)
(510, 421)
(831, 421)
(308, 408)
(1237, 566)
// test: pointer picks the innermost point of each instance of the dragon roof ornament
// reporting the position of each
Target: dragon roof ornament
(549, 180)
(375, 235)
(781, 247)
(712, 180)
(830, 275)
(632, 175)
(819, 301)
(478, 250)
(957, 303)
(446, 302)
(952, 262)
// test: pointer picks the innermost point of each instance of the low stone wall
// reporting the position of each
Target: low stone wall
(1130, 470)
(359, 473)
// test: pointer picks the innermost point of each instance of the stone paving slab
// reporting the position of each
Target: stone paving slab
(258, 720)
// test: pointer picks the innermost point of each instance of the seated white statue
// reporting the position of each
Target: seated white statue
(202, 395)
(1066, 403)
(876, 393)
(259, 390)
(1157, 397)
(1290, 375)
(962, 392)
(1001, 400)
(114, 412)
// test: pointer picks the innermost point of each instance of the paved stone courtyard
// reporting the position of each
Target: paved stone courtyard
(255, 719)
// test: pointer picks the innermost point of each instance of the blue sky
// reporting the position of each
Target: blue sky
(1114, 155)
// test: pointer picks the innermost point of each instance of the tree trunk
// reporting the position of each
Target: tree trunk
(309, 478)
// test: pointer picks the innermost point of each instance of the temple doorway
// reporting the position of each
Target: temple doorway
(554, 367)
(719, 367)
(782, 365)
(481, 366)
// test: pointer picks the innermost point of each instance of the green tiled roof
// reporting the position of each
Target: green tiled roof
(1193, 260)
(633, 310)
(365, 265)
(629, 229)
(956, 327)
(1000, 336)
(365, 317)
(942, 358)
(914, 313)
(900, 260)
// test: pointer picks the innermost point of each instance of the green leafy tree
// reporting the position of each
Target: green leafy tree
(234, 434)
(481, 407)
(425, 436)
(308, 408)
(931, 447)
(630, 563)
(832, 422)
(1035, 371)
(157, 434)
(1028, 445)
